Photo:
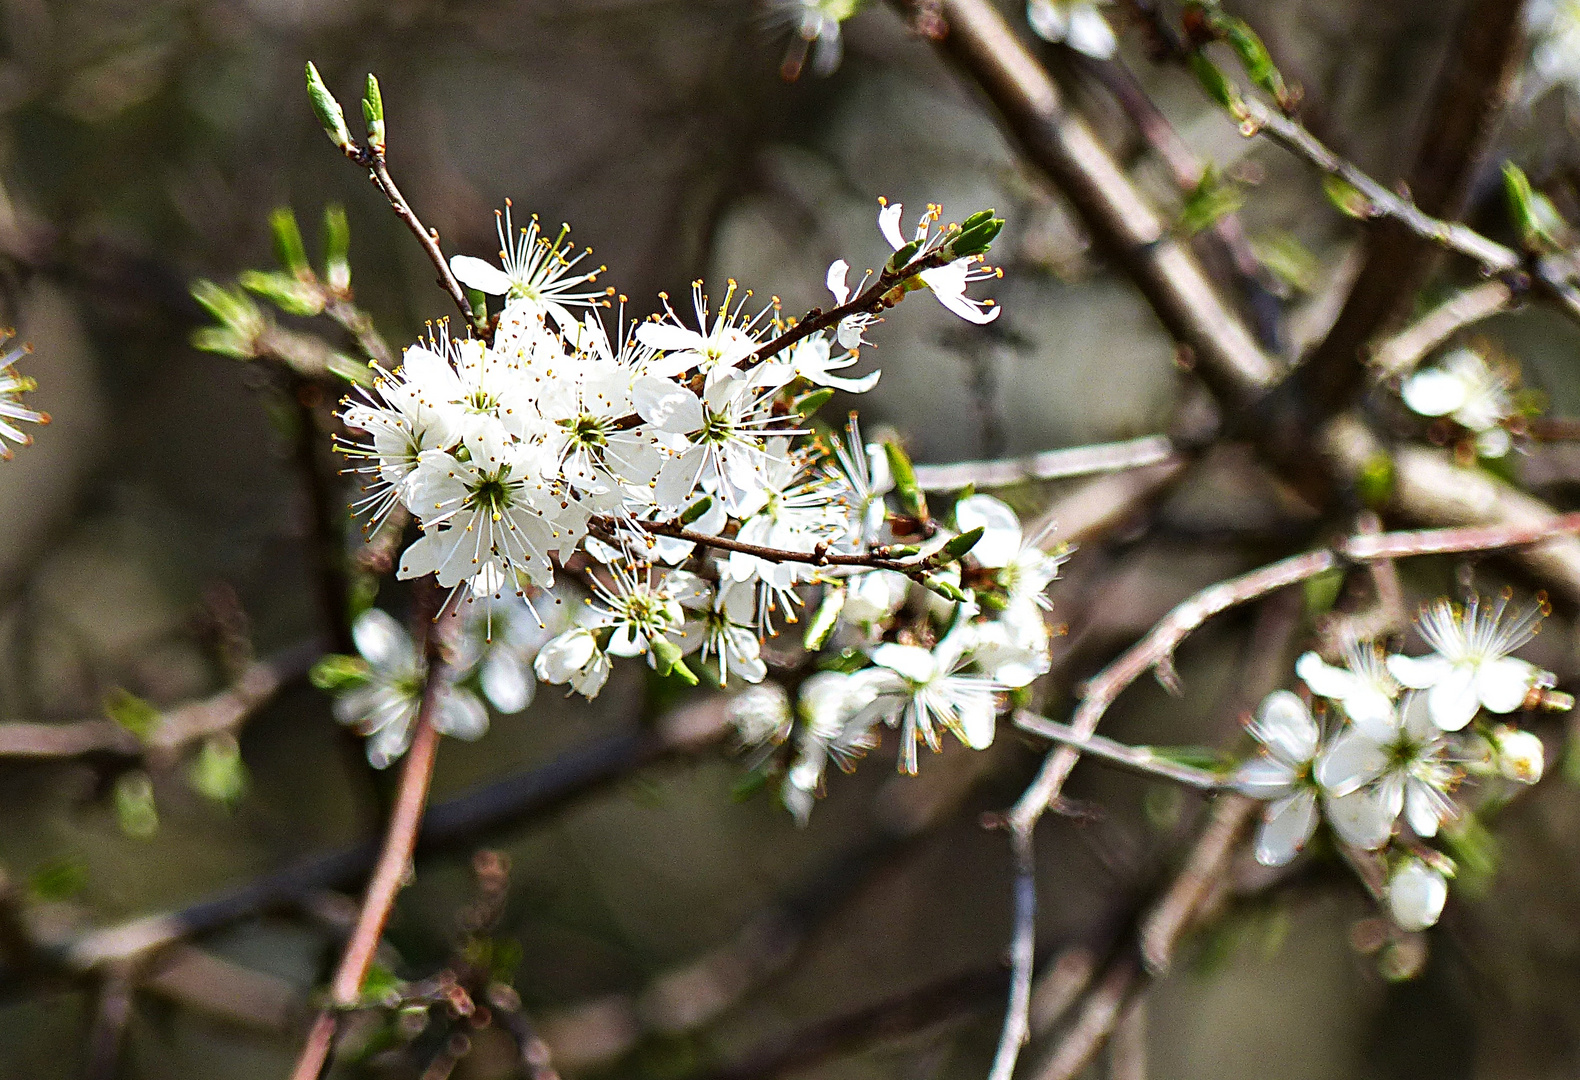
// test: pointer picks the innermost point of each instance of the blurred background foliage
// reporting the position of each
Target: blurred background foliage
(143, 144)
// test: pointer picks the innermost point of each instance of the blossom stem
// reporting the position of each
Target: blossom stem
(389, 873)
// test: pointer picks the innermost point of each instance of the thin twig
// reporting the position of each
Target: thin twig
(1127, 1052)
(1048, 465)
(1398, 355)
(394, 862)
(605, 529)
(1142, 759)
(1022, 954)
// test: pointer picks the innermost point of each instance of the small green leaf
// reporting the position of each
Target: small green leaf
(382, 987)
(373, 113)
(1287, 259)
(808, 404)
(216, 339)
(1253, 55)
(328, 110)
(337, 672)
(1375, 482)
(337, 247)
(231, 308)
(823, 622)
(134, 805)
(478, 302)
(692, 513)
(902, 258)
(1347, 198)
(218, 771)
(288, 246)
(287, 292)
(1322, 591)
(1212, 198)
(1537, 220)
(912, 500)
(1217, 84)
(1195, 757)
(945, 588)
(131, 712)
(960, 545)
(59, 879)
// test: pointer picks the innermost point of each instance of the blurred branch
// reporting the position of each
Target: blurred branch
(1472, 89)
(1048, 465)
(320, 482)
(1398, 355)
(400, 841)
(112, 1012)
(1022, 954)
(1141, 759)
(177, 727)
(976, 37)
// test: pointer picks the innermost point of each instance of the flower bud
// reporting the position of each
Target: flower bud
(822, 624)
(337, 247)
(1416, 894)
(1520, 754)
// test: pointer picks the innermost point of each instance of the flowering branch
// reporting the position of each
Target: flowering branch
(604, 529)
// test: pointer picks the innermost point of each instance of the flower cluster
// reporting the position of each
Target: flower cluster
(12, 387)
(1077, 23)
(1385, 772)
(671, 463)
(1469, 390)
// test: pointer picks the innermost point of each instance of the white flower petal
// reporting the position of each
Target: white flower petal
(1416, 894)
(1353, 761)
(1419, 672)
(1503, 684)
(1264, 777)
(1360, 818)
(836, 280)
(1433, 392)
(1090, 33)
(483, 276)
(911, 661)
(460, 715)
(1324, 679)
(1286, 826)
(1001, 533)
(1453, 702)
(1048, 18)
(381, 640)
(889, 225)
(666, 405)
(1284, 725)
(506, 681)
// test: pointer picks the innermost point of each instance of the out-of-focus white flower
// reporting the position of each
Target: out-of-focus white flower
(947, 282)
(502, 639)
(921, 692)
(1471, 391)
(574, 657)
(539, 276)
(1010, 655)
(1519, 754)
(815, 26)
(1077, 23)
(384, 707)
(1416, 894)
(1407, 771)
(1471, 668)
(761, 714)
(1555, 26)
(833, 705)
(12, 387)
(1364, 688)
(871, 597)
(1282, 775)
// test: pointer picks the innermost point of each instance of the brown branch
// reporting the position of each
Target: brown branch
(1022, 955)
(326, 542)
(1048, 465)
(184, 724)
(1141, 759)
(1056, 140)
(389, 873)
(1457, 128)
(1398, 355)
(605, 529)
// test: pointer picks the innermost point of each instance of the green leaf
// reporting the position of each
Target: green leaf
(808, 404)
(912, 500)
(1195, 757)
(288, 246)
(1537, 220)
(59, 879)
(1213, 197)
(1217, 84)
(373, 113)
(695, 511)
(1287, 259)
(945, 588)
(131, 712)
(382, 987)
(216, 339)
(902, 258)
(1375, 481)
(337, 672)
(1322, 591)
(287, 292)
(1347, 198)
(337, 247)
(328, 110)
(218, 771)
(823, 622)
(134, 805)
(960, 545)
(231, 308)
(1254, 56)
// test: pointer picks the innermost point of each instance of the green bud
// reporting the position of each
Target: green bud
(1347, 198)
(912, 500)
(373, 113)
(230, 307)
(288, 246)
(945, 588)
(1211, 199)
(479, 305)
(134, 805)
(290, 294)
(696, 510)
(666, 654)
(216, 339)
(131, 712)
(337, 247)
(1535, 217)
(337, 672)
(1259, 67)
(822, 624)
(976, 219)
(963, 543)
(902, 258)
(808, 404)
(1375, 482)
(1217, 85)
(976, 239)
(218, 772)
(329, 112)
(350, 369)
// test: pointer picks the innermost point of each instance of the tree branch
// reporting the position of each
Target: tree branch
(1048, 465)
(1141, 759)
(1398, 355)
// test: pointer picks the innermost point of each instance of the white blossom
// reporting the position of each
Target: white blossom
(851, 332)
(1077, 23)
(1519, 754)
(1282, 775)
(1365, 688)
(1416, 894)
(1471, 668)
(948, 282)
(1467, 388)
(834, 707)
(12, 411)
(539, 276)
(385, 704)
(921, 691)
(815, 26)
(574, 657)
(761, 714)
(722, 630)
(1409, 770)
